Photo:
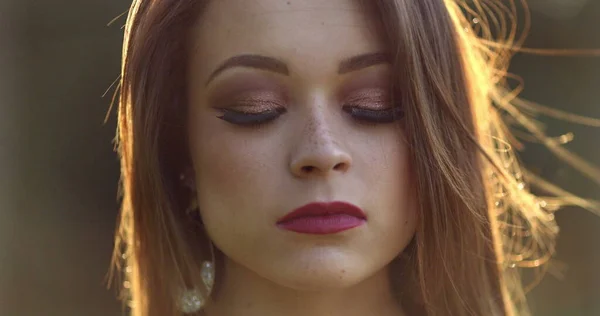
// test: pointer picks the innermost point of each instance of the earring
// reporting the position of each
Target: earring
(192, 300)
(189, 183)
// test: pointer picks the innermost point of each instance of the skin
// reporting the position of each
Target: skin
(249, 177)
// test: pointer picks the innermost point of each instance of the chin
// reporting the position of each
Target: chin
(323, 282)
(316, 275)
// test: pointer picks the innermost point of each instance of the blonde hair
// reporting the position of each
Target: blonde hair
(478, 222)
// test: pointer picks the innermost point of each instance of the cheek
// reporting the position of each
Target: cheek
(221, 164)
(392, 190)
(233, 173)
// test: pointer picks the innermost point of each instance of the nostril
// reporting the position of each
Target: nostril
(340, 166)
(308, 168)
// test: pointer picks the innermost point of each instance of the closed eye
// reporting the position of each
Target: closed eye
(251, 118)
(388, 115)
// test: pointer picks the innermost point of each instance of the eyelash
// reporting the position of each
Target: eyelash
(251, 119)
(361, 114)
(374, 116)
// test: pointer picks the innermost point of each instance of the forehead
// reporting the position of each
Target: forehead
(303, 33)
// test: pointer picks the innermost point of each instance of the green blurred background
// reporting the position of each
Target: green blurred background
(58, 172)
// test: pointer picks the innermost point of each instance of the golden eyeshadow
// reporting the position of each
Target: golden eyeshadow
(372, 98)
(261, 100)
(247, 89)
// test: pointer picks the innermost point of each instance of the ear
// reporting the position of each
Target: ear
(188, 178)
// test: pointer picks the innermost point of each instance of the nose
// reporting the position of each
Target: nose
(319, 153)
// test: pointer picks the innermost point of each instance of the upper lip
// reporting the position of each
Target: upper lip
(322, 208)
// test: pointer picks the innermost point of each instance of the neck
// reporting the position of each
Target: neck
(243, 292)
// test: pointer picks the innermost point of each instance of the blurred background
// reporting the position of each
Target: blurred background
(58, 171)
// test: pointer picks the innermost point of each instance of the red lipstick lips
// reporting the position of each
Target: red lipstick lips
(323, 218)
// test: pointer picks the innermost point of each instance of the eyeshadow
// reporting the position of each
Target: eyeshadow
(247, 87)
(371, 98)
(373, 79)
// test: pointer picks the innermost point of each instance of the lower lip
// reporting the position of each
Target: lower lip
(322, 225)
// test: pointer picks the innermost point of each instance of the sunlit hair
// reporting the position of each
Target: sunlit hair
(478, 221)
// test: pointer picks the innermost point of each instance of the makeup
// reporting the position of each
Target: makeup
(323, 218)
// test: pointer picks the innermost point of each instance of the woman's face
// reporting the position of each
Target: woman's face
(312, 77)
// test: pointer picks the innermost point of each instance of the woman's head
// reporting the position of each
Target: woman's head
(299, 69)
(269, 105)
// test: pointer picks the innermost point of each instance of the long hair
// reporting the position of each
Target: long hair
(478, 222)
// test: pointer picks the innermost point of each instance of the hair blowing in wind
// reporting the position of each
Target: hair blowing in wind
(478, 223)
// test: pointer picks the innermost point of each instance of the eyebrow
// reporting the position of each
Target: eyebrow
(252, 61)
(277, 66)
(362, 61)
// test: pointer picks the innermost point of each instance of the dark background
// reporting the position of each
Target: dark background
(58, 171)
